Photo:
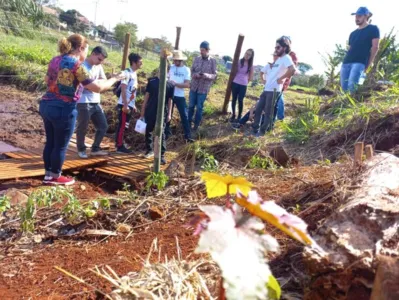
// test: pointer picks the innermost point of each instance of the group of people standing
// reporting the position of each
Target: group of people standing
(75, 80)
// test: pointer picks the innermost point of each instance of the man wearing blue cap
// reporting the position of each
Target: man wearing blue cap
(363, 47)
(203, 73)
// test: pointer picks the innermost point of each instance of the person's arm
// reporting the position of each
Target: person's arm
(96, 86)
(262, 77)
(374, 50)
(46, 78)
(288, 74)
(146, 97)
(124, 96)
(212, 75)
(184, 85)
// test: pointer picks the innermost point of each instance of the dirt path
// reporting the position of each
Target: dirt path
(33, 275)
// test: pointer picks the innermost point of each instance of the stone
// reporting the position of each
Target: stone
(175, 169)
(280, 156)
(155, 213)
(16, 197)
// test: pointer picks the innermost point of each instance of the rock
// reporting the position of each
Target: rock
(355, 235)
(175, 169)
(280, 156)
(82, 187)
(155, 213)
(16, 197)
(123, 228)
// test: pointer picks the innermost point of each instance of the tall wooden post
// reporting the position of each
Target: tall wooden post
(178, 31)
(233, 72)
(126, 51)
(359, 148)
(160, 111)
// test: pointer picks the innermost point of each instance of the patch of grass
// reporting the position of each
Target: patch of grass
(209, 109)
(258, 162)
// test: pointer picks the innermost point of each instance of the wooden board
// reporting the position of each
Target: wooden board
(32, 167)
(88, 143)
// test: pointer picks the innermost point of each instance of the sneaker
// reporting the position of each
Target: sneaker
(123, 149)
(163, 161)
(149, 154)
(47, 179)
(62, 180)
(83, 154)
(233, 120)
(99, 153)
(190, 140)
(236, 126)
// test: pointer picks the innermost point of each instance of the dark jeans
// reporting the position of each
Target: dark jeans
(197, 101)
(95, 113)
(238, 92)
(266, 104)
(150, 119)
(181, 105)
(123, 123)
(59, 119)
(279, 108)
(245, 119)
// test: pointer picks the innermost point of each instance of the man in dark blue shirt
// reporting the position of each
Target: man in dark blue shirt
(149, 112)
(363, 47)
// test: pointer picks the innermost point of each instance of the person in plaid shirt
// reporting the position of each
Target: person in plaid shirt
(203, 73)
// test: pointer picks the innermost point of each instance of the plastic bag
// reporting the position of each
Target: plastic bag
(140, 126)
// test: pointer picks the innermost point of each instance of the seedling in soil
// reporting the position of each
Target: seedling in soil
(4, 203)
(156, 180)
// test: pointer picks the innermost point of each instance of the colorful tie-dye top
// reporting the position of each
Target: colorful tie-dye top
(66, 78)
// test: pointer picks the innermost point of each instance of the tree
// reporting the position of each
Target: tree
(121, 29)
(316, 81)
(148, 44)
(227, 58)
(304, 68)
(70, 17)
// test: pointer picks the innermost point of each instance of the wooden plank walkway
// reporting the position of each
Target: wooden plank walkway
(30, 164)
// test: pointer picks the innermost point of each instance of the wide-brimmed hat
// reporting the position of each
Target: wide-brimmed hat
(178, 55)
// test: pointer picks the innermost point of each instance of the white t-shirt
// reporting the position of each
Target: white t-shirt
(131, 89)
(96, 72)
(179, 75)
(274, 72)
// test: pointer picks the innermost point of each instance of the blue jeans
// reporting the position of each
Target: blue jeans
(196, 100)
(279, 109)
(181, 105)
(350, 75)
(59, 119)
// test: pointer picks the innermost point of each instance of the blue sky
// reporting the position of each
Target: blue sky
(314, 26)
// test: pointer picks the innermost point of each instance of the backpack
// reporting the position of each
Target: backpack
(117, 89)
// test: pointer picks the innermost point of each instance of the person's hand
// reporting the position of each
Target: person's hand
(125, 109)
(197, 76)
(173, 82)
(134, 108)
(280, 81)
(119, 76)
(168, 118)
(263, 81)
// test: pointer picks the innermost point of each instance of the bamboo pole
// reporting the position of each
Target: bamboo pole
(126, 51)
(233, 72)
(160, 111)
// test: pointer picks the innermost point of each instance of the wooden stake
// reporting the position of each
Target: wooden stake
(178, 31)
(359, 147)
(233, 72)
(160, 111)
(369, 151)
(126, 51)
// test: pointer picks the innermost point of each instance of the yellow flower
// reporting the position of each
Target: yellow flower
(217, 185)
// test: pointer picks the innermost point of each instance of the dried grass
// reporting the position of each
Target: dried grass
(172, 279)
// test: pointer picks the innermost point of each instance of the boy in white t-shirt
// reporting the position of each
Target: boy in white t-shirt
(180, 76)
(273, 76)
(127, 101)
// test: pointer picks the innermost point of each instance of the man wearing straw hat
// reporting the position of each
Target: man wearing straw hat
(180, 76)
(275, 75)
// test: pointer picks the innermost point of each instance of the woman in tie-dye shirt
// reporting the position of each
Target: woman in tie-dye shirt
(65, 79)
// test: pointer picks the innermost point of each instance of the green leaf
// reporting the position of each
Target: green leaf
(273, 287)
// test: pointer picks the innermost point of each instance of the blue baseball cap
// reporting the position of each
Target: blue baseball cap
(362, 11)
(205, 45)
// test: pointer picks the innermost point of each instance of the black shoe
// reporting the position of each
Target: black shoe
(233, 119)
(236, 126)
(190, 140)
(163, 161)
(123, 149)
